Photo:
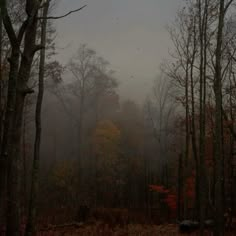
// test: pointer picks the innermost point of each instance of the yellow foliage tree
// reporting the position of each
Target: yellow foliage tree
(63, 181)
(106, 142)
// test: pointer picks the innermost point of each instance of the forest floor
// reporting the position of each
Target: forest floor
(102, 229)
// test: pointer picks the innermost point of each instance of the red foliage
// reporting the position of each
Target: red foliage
(169, 198)
(171, 201)
(159, 188)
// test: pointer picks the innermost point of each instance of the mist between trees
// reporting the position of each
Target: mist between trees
(72, 149)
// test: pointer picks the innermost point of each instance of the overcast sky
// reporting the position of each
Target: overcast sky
(130, 34)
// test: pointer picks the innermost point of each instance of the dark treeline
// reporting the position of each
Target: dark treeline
(70, 146)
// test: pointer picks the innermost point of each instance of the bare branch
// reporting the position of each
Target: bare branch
(22, 31)
(37, 48)
(228, 5)
(59, 17)
(8, 24)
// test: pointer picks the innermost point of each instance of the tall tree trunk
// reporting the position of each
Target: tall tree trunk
(8, 129)
(187, 135)
(14, 147)
(24, 165)
(1, 81)
(193, 133)
(231, 160)
(2, 163)
(202, 180)
(8, 133)
(30, 229)
(219, 219)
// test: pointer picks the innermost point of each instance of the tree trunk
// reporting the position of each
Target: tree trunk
(202, 96)
(193, 126)
(30, 229)
(219, 219)
(187, 134)
(14, 146)
(2, 185)
(180, 188)
(1, 80)
(8, 133)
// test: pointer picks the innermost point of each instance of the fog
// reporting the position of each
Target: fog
(130, 34)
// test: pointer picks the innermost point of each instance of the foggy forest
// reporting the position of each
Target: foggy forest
(117, 117)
